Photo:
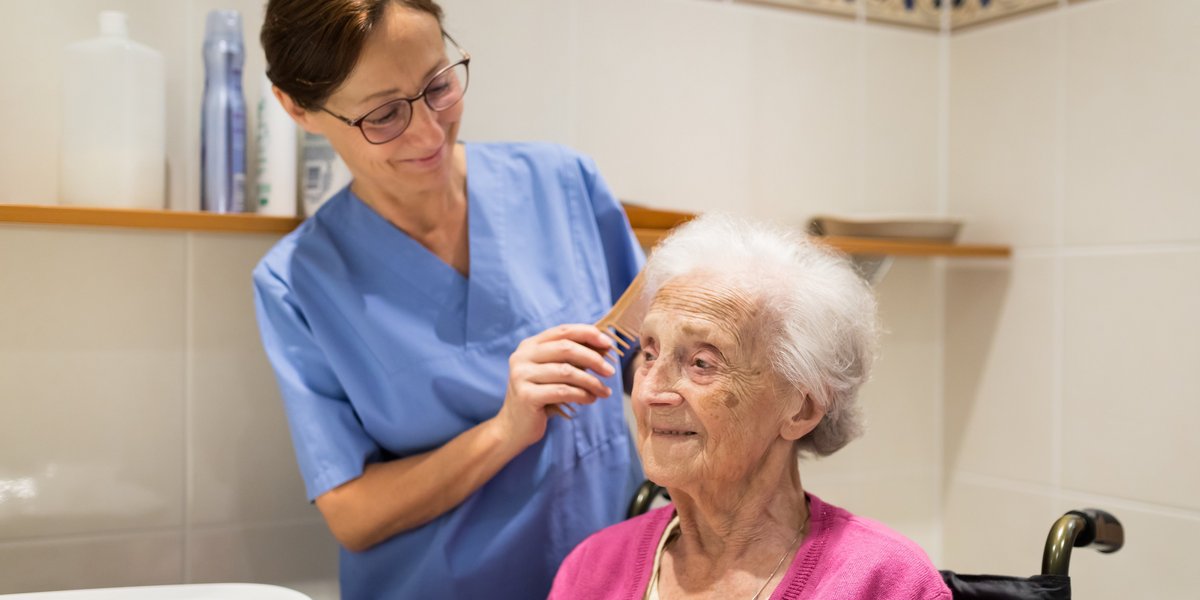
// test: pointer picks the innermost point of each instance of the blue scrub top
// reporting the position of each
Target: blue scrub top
(382, 350)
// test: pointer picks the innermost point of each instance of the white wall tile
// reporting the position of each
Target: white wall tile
(235, 411)
(999, 370)
(806, 116)
(1131, 387)
(67, 563)
(901, 122)
(996, 530)
(277, 554)
(900, 400)
(665, 92)
(522, 68)
(1133, 134)
(91, 372)
(1004, 85)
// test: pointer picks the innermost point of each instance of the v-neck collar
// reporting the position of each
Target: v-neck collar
(485, 290)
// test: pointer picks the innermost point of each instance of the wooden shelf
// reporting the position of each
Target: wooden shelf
(144, 219)
(649, 224)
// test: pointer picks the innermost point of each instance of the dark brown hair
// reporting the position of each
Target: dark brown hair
(312, 45)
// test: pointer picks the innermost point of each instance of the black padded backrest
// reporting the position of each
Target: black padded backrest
(999, 587)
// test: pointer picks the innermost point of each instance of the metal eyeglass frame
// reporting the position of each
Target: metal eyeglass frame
(357, 123)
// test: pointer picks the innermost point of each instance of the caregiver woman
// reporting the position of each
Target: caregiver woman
(415, 322)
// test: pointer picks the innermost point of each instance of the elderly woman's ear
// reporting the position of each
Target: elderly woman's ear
(802, 416)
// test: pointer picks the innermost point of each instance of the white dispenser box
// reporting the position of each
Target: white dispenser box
(114, 121)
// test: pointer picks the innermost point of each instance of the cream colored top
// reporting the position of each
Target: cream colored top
(668, 534)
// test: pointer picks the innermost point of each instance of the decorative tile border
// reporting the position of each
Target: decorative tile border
(919, 13)
(925, 14)
(973, 12)
(845, 8)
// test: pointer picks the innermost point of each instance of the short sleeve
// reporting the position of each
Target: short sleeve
(329, 440)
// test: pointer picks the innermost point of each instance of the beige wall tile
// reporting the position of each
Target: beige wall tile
(243, 468)
(67, 564)
(1130, 379)
(996, 530)
(901, 399)
(1004, 86)
(662, 106)
(902, 500)
(277, 554)
(1157, 561)
(91, 372)
(901, 122)
(806, 102)
(999, 374)
(1132, 87)
(522, 70)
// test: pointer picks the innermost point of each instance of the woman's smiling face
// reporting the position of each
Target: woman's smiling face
(705, 397)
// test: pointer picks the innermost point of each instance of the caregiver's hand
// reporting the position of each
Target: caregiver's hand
(551, 368)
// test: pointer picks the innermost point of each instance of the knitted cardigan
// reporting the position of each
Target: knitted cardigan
(844, 557)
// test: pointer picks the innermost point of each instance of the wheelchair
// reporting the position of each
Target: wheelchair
(1085, 528)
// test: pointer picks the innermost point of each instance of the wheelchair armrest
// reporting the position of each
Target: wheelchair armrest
(1079, 529)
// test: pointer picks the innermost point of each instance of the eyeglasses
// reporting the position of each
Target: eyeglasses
(385, 123)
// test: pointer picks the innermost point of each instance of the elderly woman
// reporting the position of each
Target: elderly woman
(755, 345)
(421, 323)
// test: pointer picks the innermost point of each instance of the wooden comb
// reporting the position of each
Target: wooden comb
(622, 323)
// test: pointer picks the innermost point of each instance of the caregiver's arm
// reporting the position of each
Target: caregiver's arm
(394, 496)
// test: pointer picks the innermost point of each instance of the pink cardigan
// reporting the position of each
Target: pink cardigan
(843, 557)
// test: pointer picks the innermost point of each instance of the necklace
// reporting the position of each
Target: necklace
(786, 552)
(780, 563)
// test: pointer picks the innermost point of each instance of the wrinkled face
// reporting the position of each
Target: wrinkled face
(704, 398)
(398, 58)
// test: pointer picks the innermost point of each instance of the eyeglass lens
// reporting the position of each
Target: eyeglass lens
(390, 120)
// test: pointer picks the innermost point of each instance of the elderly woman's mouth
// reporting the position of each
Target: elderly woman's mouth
(674, 432)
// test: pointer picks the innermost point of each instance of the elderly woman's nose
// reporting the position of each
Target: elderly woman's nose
(659, 386)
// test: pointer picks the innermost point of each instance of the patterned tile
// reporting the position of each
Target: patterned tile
(924, 14)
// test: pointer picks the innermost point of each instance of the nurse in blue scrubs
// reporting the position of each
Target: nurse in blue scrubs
(421, 323)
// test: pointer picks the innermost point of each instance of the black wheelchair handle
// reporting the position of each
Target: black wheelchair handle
(1079, 529)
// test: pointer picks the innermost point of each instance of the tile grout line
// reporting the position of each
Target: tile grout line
(939, 274)
(860, 34)
(1058, 265)
(574, 59)
(1065, 493)
(188, 459)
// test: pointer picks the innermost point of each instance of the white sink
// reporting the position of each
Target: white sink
(195, 591)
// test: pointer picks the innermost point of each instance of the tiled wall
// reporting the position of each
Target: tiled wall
(134, 398)
(141, 439)
(1071, 373)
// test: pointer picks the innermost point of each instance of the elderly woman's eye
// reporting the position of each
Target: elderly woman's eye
(700, 363)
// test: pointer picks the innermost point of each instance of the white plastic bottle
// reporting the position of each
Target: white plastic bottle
(324, 173)
(277, 150)
(114, 121)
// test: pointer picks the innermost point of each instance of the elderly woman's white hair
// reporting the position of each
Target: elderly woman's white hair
(823, 315)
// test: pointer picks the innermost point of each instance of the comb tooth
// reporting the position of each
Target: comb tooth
(556, 410)
(624, 332)
(621, 341)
